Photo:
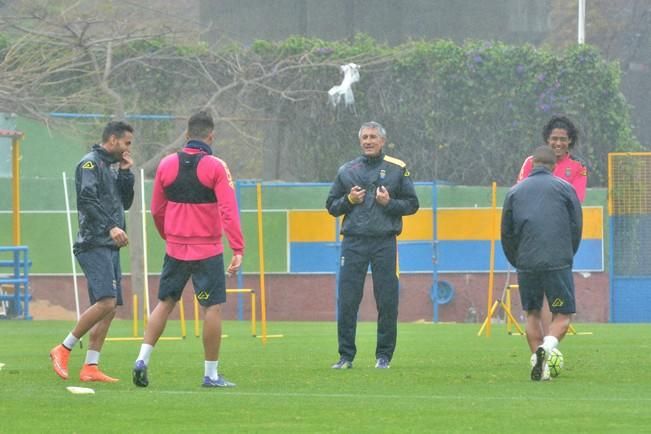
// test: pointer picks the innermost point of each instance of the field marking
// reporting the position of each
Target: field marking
(394, 396)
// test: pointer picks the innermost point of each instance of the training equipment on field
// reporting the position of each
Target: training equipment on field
(72, 255)
(135, 318)
(500, 302)
(80, 390)
(16, 138)
(251, 292)
(555, 362)
(505, 300)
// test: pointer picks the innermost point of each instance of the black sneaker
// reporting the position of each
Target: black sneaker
(382, 363)
(140, 374)
(343, 364)
(541, 363)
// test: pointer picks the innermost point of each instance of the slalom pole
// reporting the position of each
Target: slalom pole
(491, 273)
(144, 241)
(72, 254)
(263, 302)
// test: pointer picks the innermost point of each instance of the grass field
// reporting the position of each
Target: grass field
(443, 379)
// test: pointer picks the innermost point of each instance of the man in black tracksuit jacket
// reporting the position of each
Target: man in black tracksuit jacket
(104, 185)
(541, 231)
(102, 196)
(372, 192)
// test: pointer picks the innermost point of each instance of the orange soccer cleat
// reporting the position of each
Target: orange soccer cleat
(60, 356)
(92, 373)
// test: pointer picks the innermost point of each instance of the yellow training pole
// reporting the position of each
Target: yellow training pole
(253, 325)
(15, 183)
(182, 318)
(135, 314)
(263, 302)
(491, 271)
(196, 316)
(145, 317)
(488, 318)
(507, 301)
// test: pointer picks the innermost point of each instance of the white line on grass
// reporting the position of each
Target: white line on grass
(418, 397)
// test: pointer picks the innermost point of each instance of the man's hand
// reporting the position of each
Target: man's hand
(126, 162)
(382, 195)
(356, 195)
(119, 237)
(234, 266)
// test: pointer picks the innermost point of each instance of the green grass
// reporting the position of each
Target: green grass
(444, 378)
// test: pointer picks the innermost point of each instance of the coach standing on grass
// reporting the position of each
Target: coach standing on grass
(541, 231)
(193, 204)
(372, 192)
(104, 185)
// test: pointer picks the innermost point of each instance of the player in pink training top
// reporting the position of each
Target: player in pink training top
(193, 202)
(562, 136)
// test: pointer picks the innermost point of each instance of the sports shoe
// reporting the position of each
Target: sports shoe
(382, 363)
(547, 374)
(92, 373)
(140, 374)
(343, 364)
(219, 382)
(538, 370)
(60, 356)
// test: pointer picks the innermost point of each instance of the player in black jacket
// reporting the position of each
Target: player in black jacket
(541, 231)
(372, 192)
(104, 190)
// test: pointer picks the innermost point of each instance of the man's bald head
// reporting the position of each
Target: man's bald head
(544, 156)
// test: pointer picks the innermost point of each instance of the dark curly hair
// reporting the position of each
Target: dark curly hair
(562, 123)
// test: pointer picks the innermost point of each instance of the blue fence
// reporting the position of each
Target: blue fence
(16, 304)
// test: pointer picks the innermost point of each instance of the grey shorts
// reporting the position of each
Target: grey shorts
(207, 277)
(101, 266)
(556, 285)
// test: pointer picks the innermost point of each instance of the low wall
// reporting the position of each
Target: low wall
(298, 297)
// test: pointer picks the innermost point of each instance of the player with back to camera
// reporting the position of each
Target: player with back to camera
(372, 192)
(541, 230)
(562, 136)
(104, 185)
(193, 202)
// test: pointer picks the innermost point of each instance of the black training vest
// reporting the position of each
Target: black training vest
(186, 188)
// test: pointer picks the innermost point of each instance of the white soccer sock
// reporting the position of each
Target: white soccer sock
(70, 341)
(92, 357)
(549, 343)
(210, 369)
(145, 353)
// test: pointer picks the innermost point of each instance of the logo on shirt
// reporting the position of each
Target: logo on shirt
(383, 173)
(202, 295)
(88, 165)
(568, 172)
(558, 303)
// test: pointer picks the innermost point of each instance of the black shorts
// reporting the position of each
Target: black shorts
(556, 285)
(207, 277)
(101, 266)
